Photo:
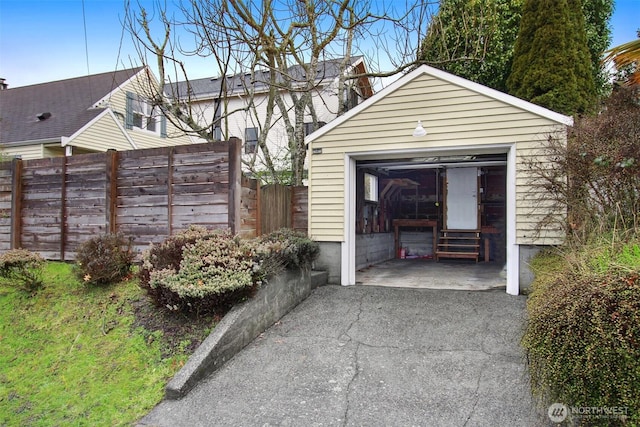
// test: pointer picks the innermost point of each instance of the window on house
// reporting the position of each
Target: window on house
(142, 115)
(370, 187)
(250, 140)
(217, 121)
(308, 127)
(217, 133)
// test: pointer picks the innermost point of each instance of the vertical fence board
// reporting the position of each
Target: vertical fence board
(235, 185)
(249, 208)
(16, 204)
(300, 209)
(111, 190)
(275, 207)
(63, 205)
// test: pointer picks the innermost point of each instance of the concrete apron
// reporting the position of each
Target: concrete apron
(427, 274)
(373, 356)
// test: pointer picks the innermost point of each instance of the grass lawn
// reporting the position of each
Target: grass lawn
(78, 355)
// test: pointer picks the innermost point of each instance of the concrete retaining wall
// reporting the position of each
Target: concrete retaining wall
(243, 324)
(373, 248)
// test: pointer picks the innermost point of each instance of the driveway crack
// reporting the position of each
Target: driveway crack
(356, 373)
(356, 361)
(354, 321)
(477, 395)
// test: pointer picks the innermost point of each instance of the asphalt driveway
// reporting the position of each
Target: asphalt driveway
(373, 356)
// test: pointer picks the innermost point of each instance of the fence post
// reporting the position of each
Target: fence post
(112, 190)
(170, 191)
(16, 204)
(258, 208)
(235, 184)
(63, 209)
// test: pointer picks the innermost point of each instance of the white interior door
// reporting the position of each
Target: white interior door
(462, 199)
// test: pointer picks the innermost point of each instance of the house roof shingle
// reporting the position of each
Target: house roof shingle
(69, 102)
(212, 87)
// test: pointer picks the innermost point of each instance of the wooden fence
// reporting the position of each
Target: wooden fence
(52, 205)
(283, 206)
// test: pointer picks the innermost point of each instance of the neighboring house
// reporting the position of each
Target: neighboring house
(464, 169)
(212, 98)
(83, 115)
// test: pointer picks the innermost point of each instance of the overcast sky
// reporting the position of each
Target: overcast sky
(44, 40)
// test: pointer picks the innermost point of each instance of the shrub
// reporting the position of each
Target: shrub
(582, 339)
(104, 259)
(215, 271)
(201, 271)
(596, 174)
(167, 255)
(23, 268)
(290, 248)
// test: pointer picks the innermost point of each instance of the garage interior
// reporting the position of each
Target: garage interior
(432, 222)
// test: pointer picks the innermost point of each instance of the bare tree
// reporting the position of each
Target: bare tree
(279, 45)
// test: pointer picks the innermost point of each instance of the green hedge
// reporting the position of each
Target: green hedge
(582, 340)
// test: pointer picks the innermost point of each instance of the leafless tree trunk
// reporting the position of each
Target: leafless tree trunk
(269, 40)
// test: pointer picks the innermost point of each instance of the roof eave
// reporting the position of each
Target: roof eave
(53, 140)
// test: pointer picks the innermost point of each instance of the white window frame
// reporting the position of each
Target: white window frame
(145, 116)
(370, 189)
(250, 145)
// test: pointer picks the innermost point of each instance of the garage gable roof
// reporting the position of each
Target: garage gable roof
(450, 78)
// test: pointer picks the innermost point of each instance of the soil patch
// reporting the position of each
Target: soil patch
(180, 332)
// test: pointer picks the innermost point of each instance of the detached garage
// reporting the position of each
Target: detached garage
(432, 167)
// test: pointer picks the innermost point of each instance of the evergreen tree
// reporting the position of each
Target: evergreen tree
(597, 14)
(474, 39)
(551, 63)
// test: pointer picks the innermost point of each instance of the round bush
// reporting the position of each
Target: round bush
(289, 248)
(202, 271)
(104, 259)
(23, 268)
(168, 254)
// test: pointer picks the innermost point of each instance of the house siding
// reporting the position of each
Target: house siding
(324, 100)
(26, 152)
(142, 138)
(454, 117)
(102, 135)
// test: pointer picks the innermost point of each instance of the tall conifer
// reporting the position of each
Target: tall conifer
(551, 64)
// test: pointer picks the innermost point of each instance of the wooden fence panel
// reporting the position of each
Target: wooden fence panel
(249, 208)
(6, 174)
(86, 200)
(42, 210)
(300, 208)
(199, 188)
(142, 196)
(275, 209)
